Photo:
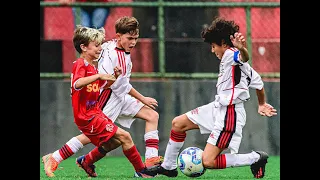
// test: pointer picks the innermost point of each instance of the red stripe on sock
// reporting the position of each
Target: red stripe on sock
(65, 151)
(177, 136)
(153, 143)
(220, 162)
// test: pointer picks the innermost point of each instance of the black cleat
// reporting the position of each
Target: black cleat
(170, 173)
(258, 168)
(145, 173)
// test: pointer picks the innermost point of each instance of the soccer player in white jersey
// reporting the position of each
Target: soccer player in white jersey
(225, 117)
(120, 102)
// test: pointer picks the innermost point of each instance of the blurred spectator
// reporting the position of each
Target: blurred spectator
(90, 16)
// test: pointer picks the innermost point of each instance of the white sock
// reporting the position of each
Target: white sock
(63, 153)
(171, 154)
(234, 160)
(151, 139)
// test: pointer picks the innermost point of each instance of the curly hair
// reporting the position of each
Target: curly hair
(219, 31)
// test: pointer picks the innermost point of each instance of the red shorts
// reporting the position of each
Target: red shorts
(100, 129)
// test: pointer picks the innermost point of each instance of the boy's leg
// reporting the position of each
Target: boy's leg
(151, 136)
(103, 129)
(131, 109)
(52, 160)
(212, 159)
(227, 134)
(180, 125)
(133, 155)
(86, 162)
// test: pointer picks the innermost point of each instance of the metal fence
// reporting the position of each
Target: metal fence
(170, 45)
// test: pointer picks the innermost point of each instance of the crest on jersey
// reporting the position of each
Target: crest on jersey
(109, 127)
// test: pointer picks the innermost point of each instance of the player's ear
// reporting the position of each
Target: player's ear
(83, 47)
(223, 43)
(118, 35)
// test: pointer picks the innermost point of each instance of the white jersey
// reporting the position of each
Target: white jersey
(115, 101)
(111, 56)
(225, 117)
(234, 79)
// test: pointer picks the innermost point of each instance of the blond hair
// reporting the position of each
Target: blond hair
(85, 35)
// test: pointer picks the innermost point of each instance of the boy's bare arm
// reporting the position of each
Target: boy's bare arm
(264, 108)
(239, 42)
(89, 79)
(150, 102)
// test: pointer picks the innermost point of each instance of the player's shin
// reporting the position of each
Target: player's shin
(235, 160)
(67, 150)
(174, 145)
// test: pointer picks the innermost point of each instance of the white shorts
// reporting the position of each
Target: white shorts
(122, 111)
(224, 124)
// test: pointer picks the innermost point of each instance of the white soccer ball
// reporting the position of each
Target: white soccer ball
(190, 162)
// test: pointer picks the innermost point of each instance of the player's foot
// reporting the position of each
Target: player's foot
(153, 162)
(161, 170)
(50, 164)
(145, 173)
(88, 168)
(258, 168)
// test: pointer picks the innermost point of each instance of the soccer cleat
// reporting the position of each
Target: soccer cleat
(258, 168)
(161, 170)
(145, 173)
(88, 168)
(153, 162)
(50, 164)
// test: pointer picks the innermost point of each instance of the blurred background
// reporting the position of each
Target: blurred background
(170, 63)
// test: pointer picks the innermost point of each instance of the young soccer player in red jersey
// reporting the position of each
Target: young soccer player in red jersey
(119, 101)
(89, 118)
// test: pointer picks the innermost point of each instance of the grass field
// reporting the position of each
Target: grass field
(120, 168)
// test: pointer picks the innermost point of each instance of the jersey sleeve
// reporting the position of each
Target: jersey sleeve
(232, 57)
(105, 64)
(256, 81)
(78, 71)
(236, 57)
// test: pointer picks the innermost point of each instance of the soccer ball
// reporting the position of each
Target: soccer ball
(190, 162)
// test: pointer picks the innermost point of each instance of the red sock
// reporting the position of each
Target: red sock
(95, 155)
(65, 151)
(134, 157)
(220, 162)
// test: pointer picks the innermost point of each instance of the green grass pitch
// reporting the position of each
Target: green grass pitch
(112, 167)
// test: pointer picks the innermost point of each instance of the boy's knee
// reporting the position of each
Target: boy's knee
(176, 124)
(124, 136)
(155, 115)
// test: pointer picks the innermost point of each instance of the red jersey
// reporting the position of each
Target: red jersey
(84, 100)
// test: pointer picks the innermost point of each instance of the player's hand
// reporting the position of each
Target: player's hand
(238, 40)
(107, 77)
(117, 71)
(150, 102)
(267, 110)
